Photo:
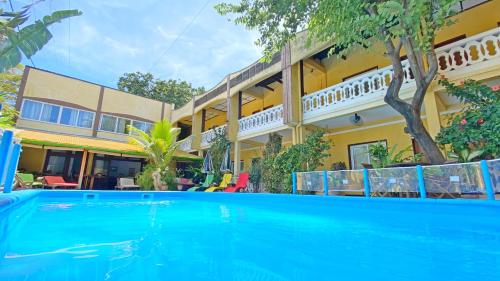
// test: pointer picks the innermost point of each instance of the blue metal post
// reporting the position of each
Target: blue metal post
(12, 167)
(488, 183)
(4, 152)
(294, 183)
(366, 181)
(421, 182)
(325, 183)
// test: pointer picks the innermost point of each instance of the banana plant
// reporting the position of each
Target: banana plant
(18, 39)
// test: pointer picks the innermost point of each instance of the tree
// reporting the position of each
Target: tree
(160, 145)
(271, 176)
(408, 26)
(9, 86)
(170, 91)
(218, 147)
(474, 132)
(17, 40)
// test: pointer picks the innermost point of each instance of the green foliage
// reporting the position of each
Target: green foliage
(256, 173)
(279, 164)
(347, 23)
(271, 176)
(170, 91)
(17, 40)
(194, 173)
(338, 166)
(476, 128)
(304, 157)
(9, 86)
(217, 150)
(382, 157)
(159, 144)
(145, 178)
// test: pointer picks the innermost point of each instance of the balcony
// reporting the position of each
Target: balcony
(208, 136)
(265, 120)
(480, 51)
(187, 144)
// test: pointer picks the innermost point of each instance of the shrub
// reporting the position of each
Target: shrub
(474, 132)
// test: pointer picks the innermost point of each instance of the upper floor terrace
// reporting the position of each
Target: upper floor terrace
(306, 87)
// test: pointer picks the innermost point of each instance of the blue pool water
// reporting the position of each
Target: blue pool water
(191, 236)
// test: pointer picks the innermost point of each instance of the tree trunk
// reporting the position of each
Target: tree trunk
(417, 130)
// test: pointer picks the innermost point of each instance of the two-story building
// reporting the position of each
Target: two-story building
(79, 130)
(303, 89)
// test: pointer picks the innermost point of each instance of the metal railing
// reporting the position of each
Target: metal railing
(479, 180)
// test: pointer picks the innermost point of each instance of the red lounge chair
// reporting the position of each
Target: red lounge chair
(240, 184)
(58, 181)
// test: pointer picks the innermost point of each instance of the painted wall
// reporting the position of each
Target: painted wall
(32, 159)
(271, 98)
(118, 102)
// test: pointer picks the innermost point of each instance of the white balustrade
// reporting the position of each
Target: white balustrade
(208, 136)
(187, 144)
(469, 51)
(265, 119)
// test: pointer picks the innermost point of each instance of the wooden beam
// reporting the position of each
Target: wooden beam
(311, 63)
(82, 168)
(254, 94)
(267, 87)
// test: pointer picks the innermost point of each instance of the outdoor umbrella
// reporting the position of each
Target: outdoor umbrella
(208, 166)
(225, 166)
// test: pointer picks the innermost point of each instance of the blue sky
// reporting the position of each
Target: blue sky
(164, 37)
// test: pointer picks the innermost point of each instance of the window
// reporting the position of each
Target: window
(121, 125)
(46, 112)
(31, 110)
(69, 116)
(359, 154)
(85, 119)
(50, 113)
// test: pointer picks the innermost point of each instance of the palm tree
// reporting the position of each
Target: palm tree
(17, 40)
(159, 144)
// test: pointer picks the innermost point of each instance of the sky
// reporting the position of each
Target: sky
(172, 39)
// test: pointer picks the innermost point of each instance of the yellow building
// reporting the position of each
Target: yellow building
(79, 130)
(303, 89)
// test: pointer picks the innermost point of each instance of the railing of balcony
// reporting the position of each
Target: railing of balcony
(371, 83)
(187, 144)
(466, 52)
(265, 119)
(469, 51)
(208, 136)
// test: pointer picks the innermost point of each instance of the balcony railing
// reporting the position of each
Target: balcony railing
(372, 83)
(187, 144)
(208, 136)
(466, 52)
(268, 118)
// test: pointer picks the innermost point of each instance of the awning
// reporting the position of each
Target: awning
(70, 142)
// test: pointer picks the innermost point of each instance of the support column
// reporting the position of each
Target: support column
(196, 129)
(237, 158)
(431, 103)
(82, 168)
(292, 100)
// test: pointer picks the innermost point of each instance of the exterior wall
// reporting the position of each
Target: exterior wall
(44, 86)
(50, 127)
(32, 160)
(215, 121)
(47, 85)
(270, 99)
(130, 106)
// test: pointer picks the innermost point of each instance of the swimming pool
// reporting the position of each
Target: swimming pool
(77, 235)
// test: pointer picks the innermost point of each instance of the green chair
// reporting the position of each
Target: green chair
(25, 180)
(208, 182)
